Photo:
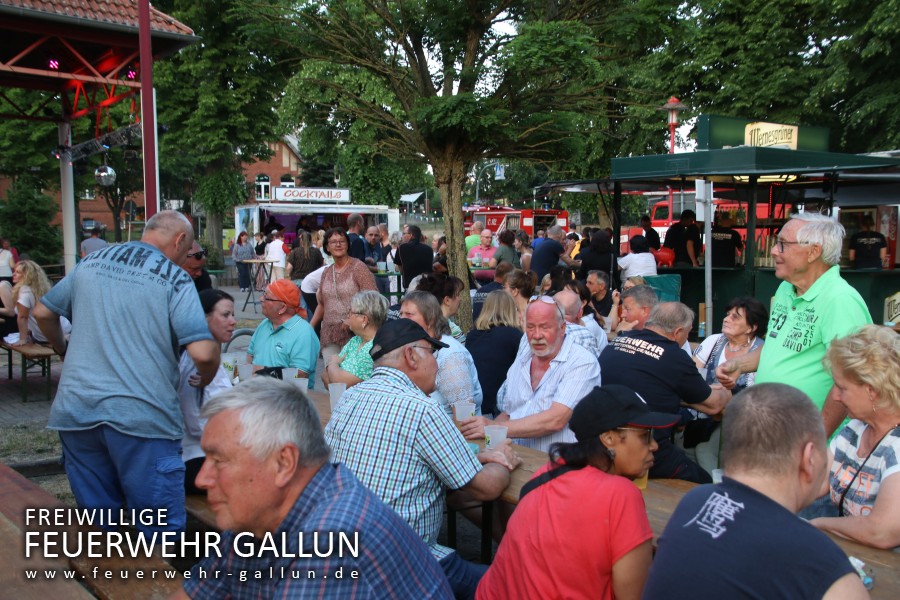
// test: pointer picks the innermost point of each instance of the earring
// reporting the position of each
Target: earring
(612, 453)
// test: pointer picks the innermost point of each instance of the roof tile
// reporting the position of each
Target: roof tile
(117, 12)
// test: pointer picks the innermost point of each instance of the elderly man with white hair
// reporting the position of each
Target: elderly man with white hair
(812, 306)
(271, 484)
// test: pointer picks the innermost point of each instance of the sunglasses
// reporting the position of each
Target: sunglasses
(547, 300)
(430, 349)
(199, 254)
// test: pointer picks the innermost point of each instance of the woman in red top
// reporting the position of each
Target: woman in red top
(580, 529)
(340, 282)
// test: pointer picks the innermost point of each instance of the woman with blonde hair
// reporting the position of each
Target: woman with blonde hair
(863, 485)
(30, 285)
(493, 344)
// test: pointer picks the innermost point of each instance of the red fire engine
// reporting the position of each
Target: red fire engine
(500, 218)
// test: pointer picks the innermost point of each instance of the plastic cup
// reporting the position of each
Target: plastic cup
(288, 373)
(641, 482)
(302, 384)
(382, 266)
(245, 372)
(494, 435)
(335, 391)
(717, 475)
(463, 410)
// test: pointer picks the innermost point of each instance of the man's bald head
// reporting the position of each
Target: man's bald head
(171, 232)
(570, 303)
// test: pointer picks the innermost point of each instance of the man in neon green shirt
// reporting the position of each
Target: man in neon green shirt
(812, 307)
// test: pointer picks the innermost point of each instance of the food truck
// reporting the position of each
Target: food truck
(293, 208)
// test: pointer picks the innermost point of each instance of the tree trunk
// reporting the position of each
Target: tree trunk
(213, 235)
(450, 175)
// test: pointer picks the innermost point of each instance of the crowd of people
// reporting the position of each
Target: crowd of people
(597, 374)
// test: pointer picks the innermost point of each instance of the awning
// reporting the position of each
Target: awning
(411, 198)
(723, 165)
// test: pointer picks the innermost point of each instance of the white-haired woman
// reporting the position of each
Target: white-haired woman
(353, 364)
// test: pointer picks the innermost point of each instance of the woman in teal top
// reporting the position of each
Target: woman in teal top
(368, 311)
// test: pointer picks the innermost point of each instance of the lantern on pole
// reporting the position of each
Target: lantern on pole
(673, 107)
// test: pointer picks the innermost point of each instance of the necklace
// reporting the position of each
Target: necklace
(750, 340)
(859, 470)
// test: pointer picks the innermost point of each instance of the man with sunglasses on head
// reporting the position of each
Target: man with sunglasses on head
(813, 306)
(544, 384)
(400, 444)
(195, 265)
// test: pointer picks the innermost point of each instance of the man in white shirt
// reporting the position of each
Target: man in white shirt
(544, 384)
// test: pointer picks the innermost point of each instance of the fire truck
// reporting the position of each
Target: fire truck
(500, 218)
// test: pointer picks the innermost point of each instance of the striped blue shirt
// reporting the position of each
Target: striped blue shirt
(402, 445)
(391, 561)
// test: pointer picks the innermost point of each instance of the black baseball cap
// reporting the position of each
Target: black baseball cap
(398, 333)
(612, 406)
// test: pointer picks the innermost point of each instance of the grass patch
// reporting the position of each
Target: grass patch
(26, 442)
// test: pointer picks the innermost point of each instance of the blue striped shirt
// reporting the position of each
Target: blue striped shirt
(402, 445)
(391, 561)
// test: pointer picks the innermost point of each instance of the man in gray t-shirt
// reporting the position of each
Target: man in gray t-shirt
(132, 307)
(92, 243)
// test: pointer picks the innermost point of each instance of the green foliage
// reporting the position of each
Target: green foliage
(218, 192)
(218, 99)
(25, 216)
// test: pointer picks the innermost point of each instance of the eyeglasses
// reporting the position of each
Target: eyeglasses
(199, 254)
(781, 243)
(267, 299)
(430, 349)
(547, 300)
(338, 242)
(646, 434)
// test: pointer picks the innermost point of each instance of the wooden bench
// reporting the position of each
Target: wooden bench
(18, 494)
(33, 355)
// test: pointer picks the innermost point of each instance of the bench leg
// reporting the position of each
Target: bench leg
(487, 531)
(24, 379)
(49, 380)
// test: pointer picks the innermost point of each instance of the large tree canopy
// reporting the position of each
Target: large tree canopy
(443, 82)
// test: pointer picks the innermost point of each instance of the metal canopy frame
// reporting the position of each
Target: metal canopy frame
(87, 56)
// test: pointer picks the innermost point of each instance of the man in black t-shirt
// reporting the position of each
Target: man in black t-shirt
(741, 538)
(413, 257)
(650, 233)
(868, 248)
(603, 301)
(651, 362)
(355, 229)
(684, 239)
(726, 243)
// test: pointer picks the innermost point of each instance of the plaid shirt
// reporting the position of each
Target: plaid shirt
(392, 562)
(402, 445)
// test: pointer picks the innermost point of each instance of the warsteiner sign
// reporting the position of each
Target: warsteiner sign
(770, 134)
(302, 194)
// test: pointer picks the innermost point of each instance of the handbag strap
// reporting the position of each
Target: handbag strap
(544, 478)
